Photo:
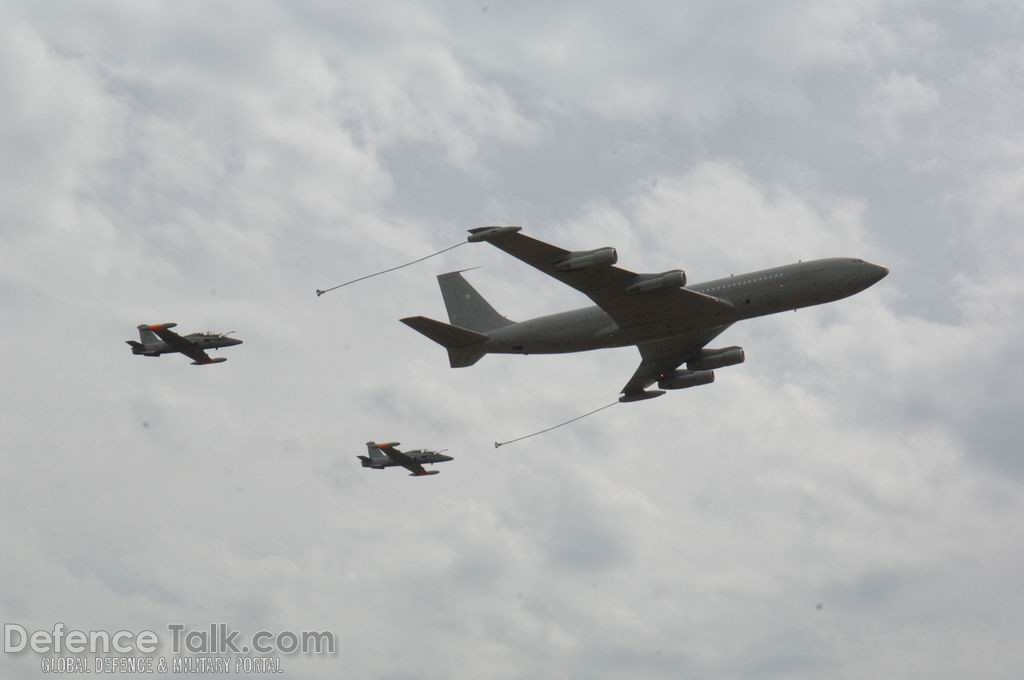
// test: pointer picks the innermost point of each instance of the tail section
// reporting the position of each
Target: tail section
(374, 450)
(451, 337)
(457, 359)
(137, 347)
(471, 317)
(466, 307)
(459, 342)
(147, 336)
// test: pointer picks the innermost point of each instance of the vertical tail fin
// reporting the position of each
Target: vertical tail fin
(466, 307)
(375, 452)
(147, 336)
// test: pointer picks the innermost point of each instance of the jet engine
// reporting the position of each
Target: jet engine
(648, 283)
(680, 380)
(717, 358)
(587, 259)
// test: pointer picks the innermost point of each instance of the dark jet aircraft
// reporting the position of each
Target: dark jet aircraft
(157, 339)
(668, 321)
(386, 455)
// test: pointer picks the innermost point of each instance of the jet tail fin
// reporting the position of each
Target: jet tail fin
(466, 307)
(147, 336)
(375, 452)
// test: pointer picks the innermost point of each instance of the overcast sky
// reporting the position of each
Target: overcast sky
(847, 504)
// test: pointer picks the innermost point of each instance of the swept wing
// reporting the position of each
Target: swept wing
(664, 356)
(606, 285)
(694, 318)
(176, 342)
(405, 461)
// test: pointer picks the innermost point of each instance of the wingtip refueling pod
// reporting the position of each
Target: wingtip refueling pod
(640, 396)
(218, 360)
(487, 233)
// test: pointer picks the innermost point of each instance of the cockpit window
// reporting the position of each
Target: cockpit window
(857, 260)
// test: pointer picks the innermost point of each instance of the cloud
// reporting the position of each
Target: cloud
(898, 97)
(163, 166)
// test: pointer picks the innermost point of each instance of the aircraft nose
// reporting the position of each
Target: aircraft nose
(880, 272)
(236, 341)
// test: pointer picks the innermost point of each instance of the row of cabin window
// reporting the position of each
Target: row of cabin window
(760, 278)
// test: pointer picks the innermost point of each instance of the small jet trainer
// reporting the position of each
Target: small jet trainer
(386, 455)
(669, 322)
(157, 339)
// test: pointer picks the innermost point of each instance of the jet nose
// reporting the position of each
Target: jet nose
(880, 272)
(236, 341)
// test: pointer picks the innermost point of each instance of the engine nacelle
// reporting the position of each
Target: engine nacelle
(588, 259)
(680, 380)
(717, 358)
(648, 283)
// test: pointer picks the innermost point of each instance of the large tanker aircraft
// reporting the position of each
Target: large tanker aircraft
(670, 322)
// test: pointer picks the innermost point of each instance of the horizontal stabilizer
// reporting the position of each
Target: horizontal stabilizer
(451, 337)
(461, 359)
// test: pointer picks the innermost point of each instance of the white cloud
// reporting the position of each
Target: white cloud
(692, 64)
(898, 97)
(163, 166)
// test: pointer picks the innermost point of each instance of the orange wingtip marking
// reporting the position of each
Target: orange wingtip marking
(156, 327)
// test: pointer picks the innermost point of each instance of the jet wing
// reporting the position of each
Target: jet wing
(606, 286)
(664, 356)
(180, 344)
(408, 462)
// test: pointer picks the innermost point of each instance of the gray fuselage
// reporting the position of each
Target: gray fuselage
(754, 294)
(203, 341)
(420, 456)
